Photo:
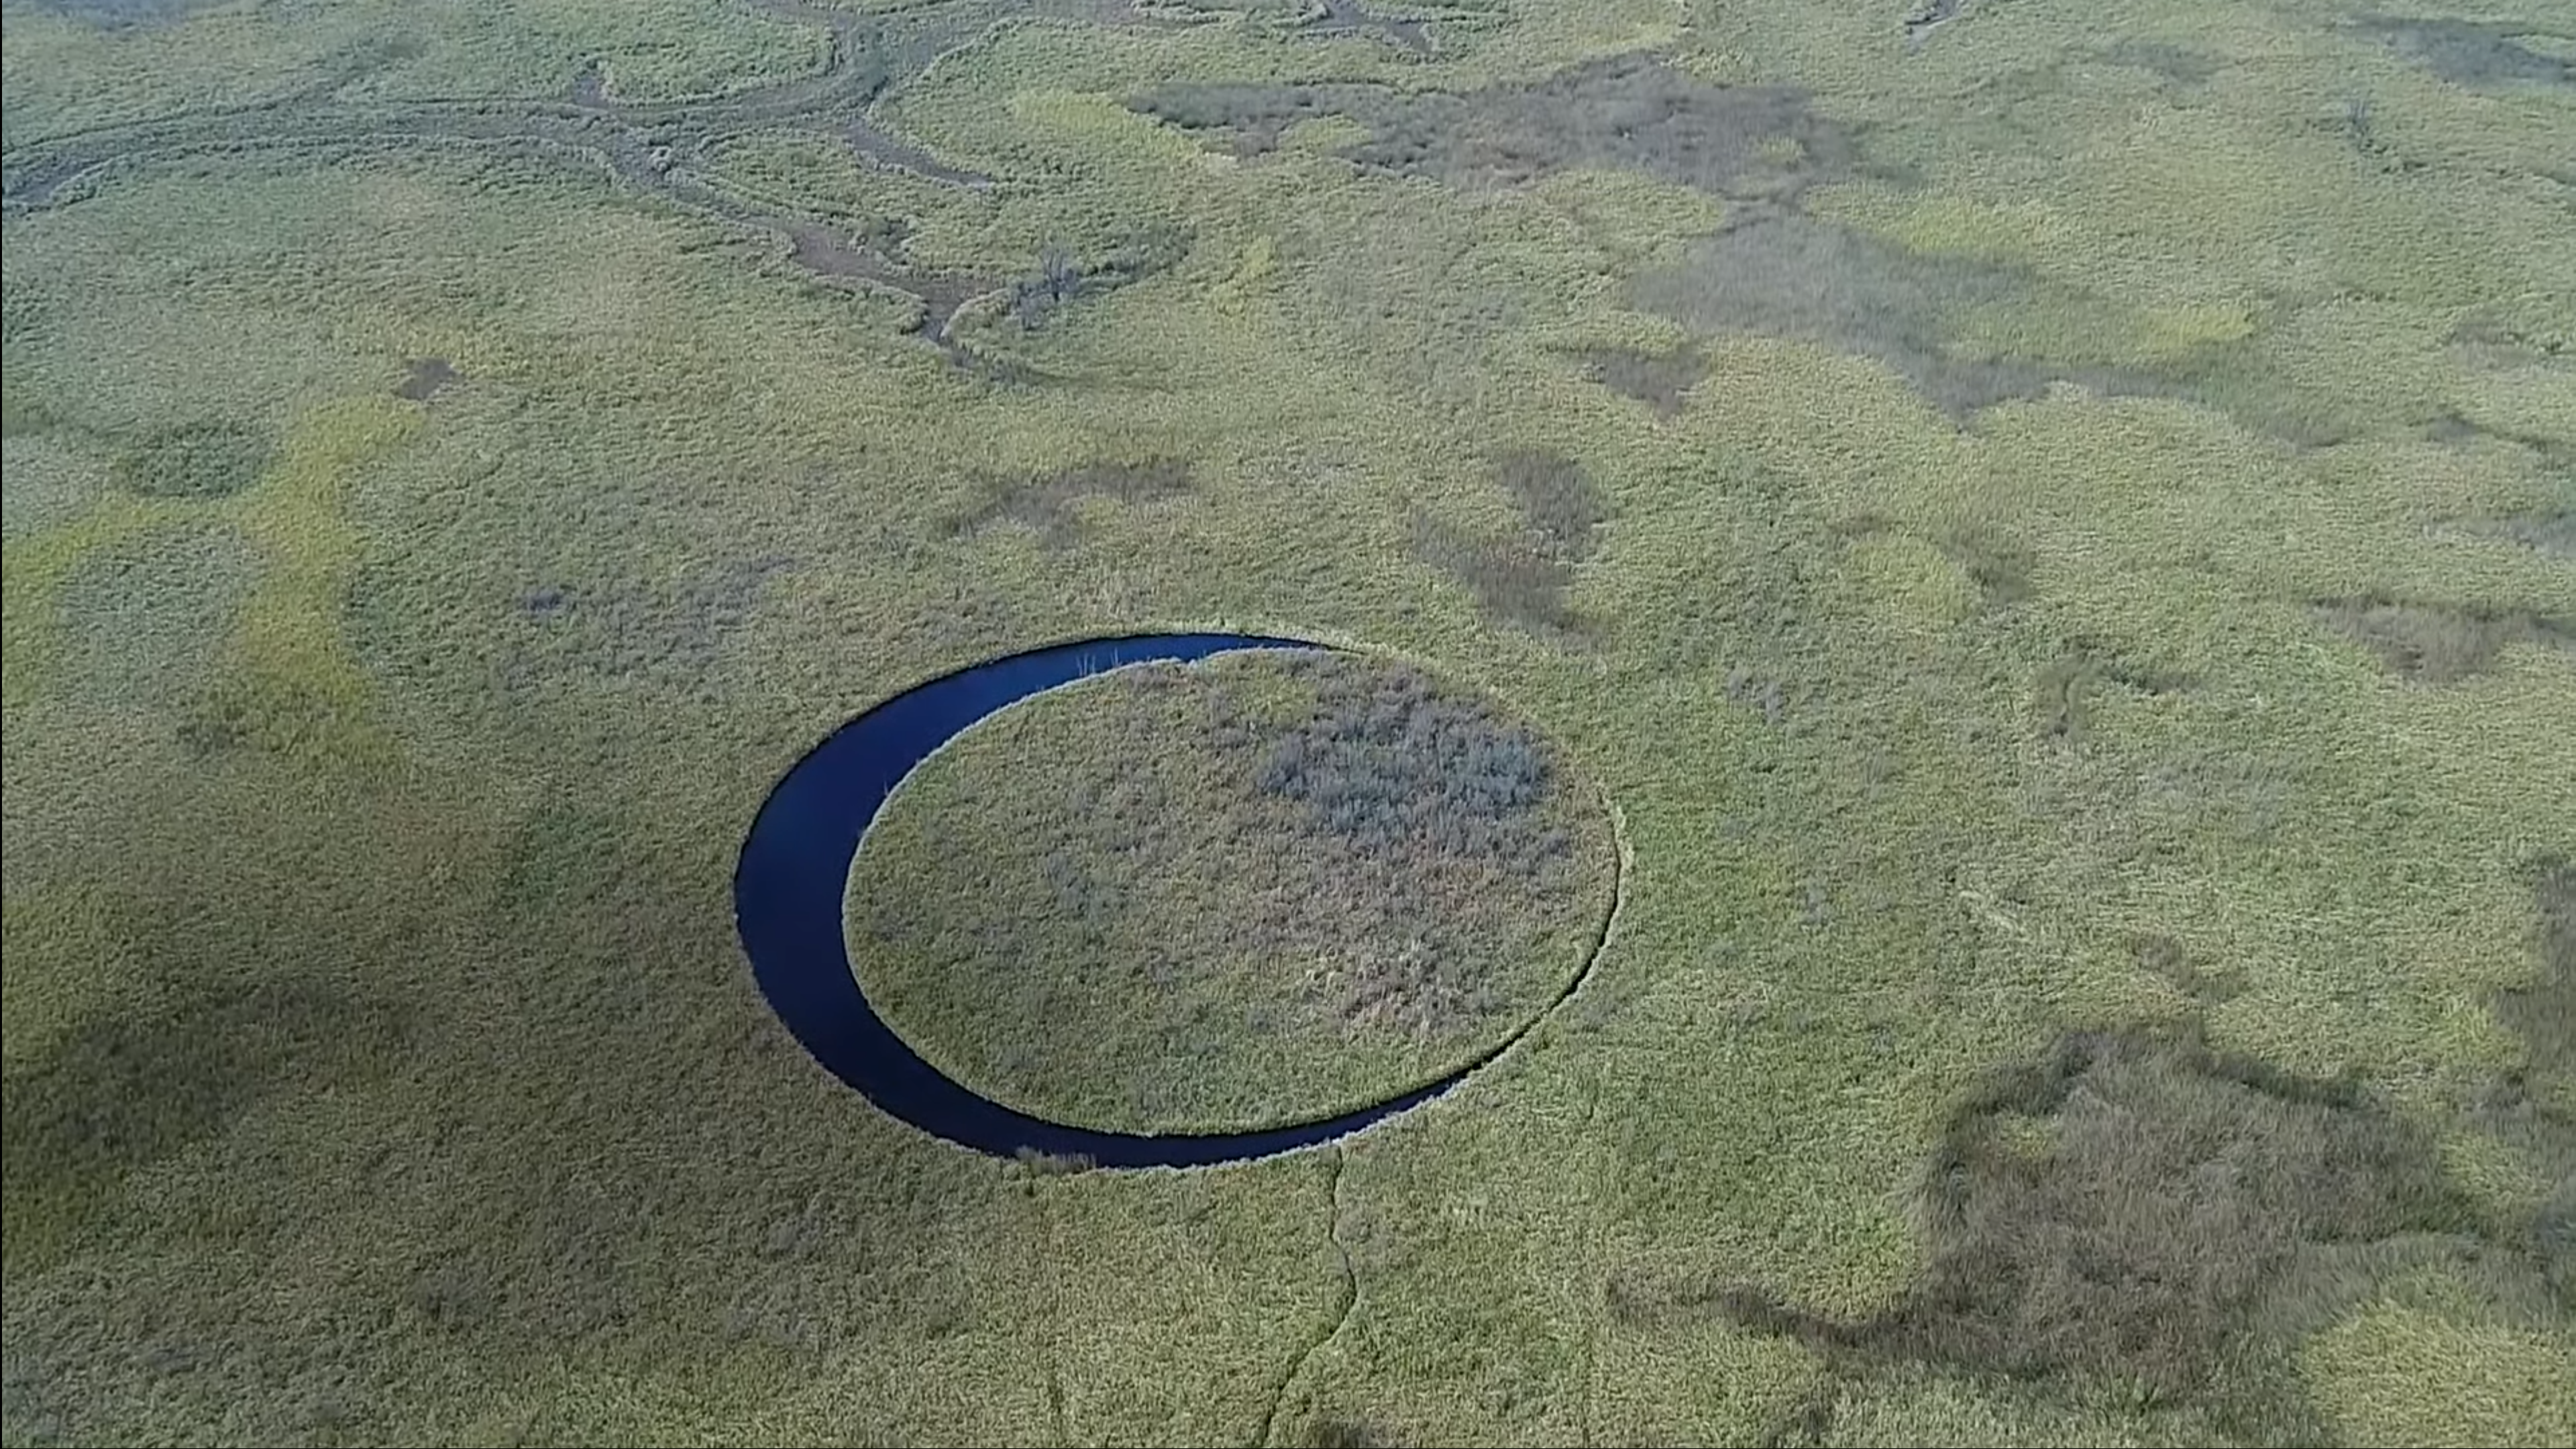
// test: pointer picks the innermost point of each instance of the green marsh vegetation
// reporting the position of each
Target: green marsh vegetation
(2093, 620)
(1229, 896)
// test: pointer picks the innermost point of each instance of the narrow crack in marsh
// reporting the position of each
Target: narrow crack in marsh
(1341, 1315)
(1597, 1290)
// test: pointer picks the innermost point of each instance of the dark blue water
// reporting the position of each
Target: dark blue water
(789, 886)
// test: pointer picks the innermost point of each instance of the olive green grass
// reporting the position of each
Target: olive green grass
(2096, 624)
(1244, 893)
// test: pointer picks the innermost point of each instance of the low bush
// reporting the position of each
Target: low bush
(1392, 763)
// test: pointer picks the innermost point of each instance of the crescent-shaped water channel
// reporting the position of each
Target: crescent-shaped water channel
(789, 887)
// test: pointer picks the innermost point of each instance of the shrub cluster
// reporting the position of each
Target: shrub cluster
(1062, 277)
(1389, 762)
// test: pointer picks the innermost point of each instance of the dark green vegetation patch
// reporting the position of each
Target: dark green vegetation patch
(2543, 1014)
(1790, 275)
(1658, 379)
(2550, 532)
(424, 377)
(196, 460)
(2130, 1204)
(672, 631)
(1775, 269)
(2530, 1105)
(2473, 53)
(1228, 895)
(146, 619)
(1048, 503)
(2440, 643)
(1632, 111)
(1521, 576)
(123, 1091)
(2138, 1209)
(121, 14)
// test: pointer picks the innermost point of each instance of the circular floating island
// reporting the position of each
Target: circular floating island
(1217, 897)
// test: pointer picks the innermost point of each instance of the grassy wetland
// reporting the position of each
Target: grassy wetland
(2050, 529)
(1227, 896)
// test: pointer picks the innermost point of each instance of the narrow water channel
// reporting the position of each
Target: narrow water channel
(793, 874)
